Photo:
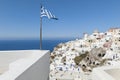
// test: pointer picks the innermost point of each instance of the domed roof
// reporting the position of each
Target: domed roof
(96, 31)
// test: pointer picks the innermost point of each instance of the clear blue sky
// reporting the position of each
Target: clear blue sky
(21, 18)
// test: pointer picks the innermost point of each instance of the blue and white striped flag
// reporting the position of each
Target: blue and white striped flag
(46, 13)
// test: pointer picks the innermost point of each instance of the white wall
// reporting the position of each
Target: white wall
(38, 71)
(26, 65)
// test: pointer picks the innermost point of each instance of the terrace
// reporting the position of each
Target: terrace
(24, 65)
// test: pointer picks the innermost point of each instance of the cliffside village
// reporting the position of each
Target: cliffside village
(80, 56)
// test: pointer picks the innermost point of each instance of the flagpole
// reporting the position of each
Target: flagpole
(40, 29)
(44, 12)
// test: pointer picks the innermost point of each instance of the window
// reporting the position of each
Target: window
(99, 55)
(105, 33)
(97, 64)
(87, 58)
(81, 46)
(84, 66)
(111, 49)
(94, 63)
(103, 55)
(64, 63)
(107, 40)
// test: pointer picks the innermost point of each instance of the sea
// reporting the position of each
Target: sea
(47, 44)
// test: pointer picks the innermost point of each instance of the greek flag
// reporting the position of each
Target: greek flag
(46, 13)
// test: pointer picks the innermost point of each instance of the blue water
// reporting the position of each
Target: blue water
(47, 44)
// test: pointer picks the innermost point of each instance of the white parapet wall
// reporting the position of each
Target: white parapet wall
(24, 65)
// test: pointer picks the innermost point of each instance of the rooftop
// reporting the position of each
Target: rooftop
(24, 64)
